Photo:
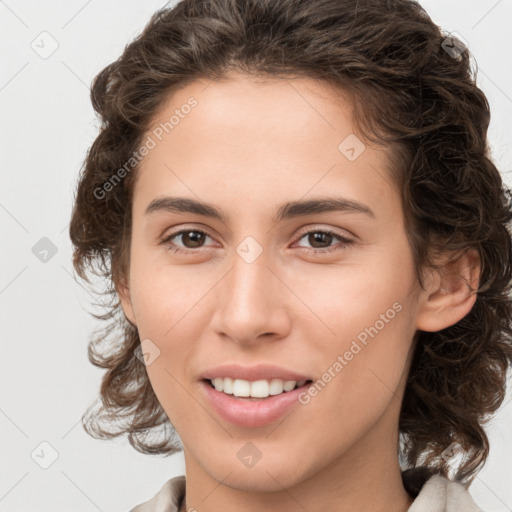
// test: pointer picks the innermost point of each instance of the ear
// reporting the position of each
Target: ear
(450, 293)
(123, 292)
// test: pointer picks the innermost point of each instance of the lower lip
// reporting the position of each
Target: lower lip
(247, 413)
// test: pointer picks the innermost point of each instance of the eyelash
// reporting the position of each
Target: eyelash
(343, 241)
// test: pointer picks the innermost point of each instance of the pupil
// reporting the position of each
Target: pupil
(195, 235)
(318, 237)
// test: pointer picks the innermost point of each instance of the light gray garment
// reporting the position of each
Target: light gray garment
(437, 495)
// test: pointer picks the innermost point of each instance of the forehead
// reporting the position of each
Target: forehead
(241, 104)
(247, 134)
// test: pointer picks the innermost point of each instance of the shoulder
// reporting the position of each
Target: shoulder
(167, 499)
(440, 494)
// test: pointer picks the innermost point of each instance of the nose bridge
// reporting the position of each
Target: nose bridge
(251, 302)
(248, 282)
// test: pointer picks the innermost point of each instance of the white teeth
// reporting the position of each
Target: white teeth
(259, 389)
(255, 389)
(228, 386)
(276, 387)
(218, 383)
(241, 387)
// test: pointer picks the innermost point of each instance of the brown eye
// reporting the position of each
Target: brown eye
(190, 239)
(319, 237)
(321, 241)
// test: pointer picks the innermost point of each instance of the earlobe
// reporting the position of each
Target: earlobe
(451, 295)
(123, 292)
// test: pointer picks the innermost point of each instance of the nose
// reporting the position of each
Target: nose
(252, 302)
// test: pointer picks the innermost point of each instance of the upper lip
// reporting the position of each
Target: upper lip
(253, 373)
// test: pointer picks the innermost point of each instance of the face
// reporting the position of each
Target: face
(328, 294)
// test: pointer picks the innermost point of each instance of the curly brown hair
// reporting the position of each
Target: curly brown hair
(409, 93)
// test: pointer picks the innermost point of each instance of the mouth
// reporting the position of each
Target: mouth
(255, 390)
(249, 411)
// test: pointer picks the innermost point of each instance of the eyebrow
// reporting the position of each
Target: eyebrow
(288, 210)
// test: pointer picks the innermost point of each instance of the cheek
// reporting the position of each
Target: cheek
(360, 371)
(169, 311)
(162, 294)
(371, 318)
(352, 298)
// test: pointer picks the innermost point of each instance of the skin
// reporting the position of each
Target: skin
(247, 147)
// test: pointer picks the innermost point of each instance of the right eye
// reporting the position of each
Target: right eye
(194, 237)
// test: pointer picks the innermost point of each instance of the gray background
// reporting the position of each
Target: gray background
(47, 124)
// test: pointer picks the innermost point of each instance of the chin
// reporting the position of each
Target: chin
(264, 476)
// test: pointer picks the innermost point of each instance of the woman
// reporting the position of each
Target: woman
(309, 255)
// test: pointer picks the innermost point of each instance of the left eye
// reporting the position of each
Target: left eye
(322, 236)
(194, 238)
